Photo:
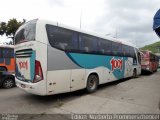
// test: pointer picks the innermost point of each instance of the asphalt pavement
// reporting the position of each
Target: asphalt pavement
(130, 96)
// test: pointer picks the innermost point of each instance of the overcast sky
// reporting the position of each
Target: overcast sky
(132, 20)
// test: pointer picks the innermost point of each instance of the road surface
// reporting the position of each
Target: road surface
(135, 96)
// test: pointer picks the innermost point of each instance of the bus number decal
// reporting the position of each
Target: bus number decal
(23, 65)
(116, 64)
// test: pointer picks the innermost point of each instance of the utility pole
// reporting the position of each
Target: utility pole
(81, 19)
(116, 33)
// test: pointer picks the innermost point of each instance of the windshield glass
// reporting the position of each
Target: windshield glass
(26, 32)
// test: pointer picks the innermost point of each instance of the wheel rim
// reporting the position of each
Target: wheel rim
(8, 83)
(92, 84)
(135, 73)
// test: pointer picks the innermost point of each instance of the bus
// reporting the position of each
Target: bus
(52, 58)
(7, 60)
(149, 61)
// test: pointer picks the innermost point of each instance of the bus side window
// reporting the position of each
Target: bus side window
(132, 54)
(104, 47)
(139, 57)
(125, 50)
(1, 53)
(11, 53)
(87, 43)
(5, 53)
(61, 38)
(116, 49)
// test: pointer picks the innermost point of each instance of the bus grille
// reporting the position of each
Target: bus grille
(24, 53)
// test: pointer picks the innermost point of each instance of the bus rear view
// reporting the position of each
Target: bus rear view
(52, 58)
(29, 70)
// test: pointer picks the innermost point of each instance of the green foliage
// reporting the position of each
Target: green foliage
(155, 47)
(3, 28)
(9, 29)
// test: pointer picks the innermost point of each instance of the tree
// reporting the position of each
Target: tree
(9, 29)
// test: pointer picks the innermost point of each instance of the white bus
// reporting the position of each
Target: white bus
(52, 58)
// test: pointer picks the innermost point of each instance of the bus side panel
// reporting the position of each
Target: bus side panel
(58, 81)
(59, 67)
(11, 66)
(128, 67)
(78, 79)
(41, 56)
(8, 63)
(91, 61)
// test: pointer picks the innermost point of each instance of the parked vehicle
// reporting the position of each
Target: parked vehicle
(149, 61)
(7, 60)
(52, 58)
(7, 80)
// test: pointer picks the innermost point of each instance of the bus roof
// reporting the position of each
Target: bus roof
(84, 31)
(6, 46)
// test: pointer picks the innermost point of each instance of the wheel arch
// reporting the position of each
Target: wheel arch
(92, 73)
(4, 67)
(134, 69)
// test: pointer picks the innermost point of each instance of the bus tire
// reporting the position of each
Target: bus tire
(92, 83)
(8, 83)
(134, 73)
(3, 69)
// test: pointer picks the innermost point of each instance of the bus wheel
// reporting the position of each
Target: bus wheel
(3, 69)
(8, 83)
(134, 73)
(92, 83)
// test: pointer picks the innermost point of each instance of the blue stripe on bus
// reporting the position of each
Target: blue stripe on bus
(71, 57)
(32, 65)
(90, 61)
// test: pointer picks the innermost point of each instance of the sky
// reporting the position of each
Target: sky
(126, 20)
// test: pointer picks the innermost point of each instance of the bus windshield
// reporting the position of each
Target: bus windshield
(26, 32)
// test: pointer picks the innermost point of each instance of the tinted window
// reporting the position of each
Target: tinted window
(7, 52)
(125, 50)
(1, 52)
(151, 57)
(139, 57)
(26, 33)
(132, 52)
(11, 53)
(61, 38)
(105, 46)
(87, 43)
(116, 49)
